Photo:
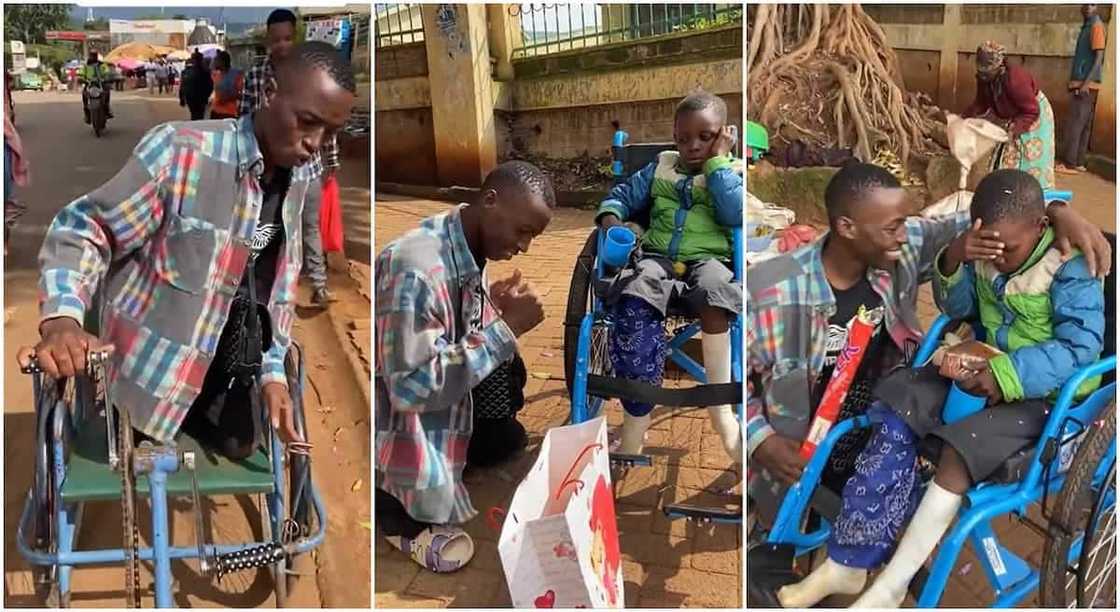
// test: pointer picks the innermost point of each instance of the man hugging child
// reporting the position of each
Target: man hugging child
(694, 196)
(1046, 318)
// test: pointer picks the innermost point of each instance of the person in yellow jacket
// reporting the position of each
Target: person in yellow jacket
(93, 71)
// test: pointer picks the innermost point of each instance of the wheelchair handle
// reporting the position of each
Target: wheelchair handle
(94, 358)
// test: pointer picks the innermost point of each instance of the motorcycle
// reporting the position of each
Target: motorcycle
(95, 105)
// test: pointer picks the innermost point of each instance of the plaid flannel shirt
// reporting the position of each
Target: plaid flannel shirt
(165, 242)
(252, 99)
(429, 356)
(789, 302)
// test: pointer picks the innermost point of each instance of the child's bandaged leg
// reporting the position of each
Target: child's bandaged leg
(935, 513)
(717, 366)
(637, 350)
(830, 578)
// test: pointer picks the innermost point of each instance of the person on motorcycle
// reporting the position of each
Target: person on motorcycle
(93, 71)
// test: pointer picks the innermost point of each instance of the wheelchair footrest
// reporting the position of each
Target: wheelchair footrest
(623, 460)
(701, 514)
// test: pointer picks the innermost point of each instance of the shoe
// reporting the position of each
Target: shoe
(440, 548)
(322, 297)
(87, 119)
(110, 115)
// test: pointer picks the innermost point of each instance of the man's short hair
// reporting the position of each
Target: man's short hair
(699, 101)
(851, 184)
(280, 16)
(521, 175)
(322, 56)
(1007, 194)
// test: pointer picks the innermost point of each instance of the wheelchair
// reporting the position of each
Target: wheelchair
(1069, 476)
(588, 325)
(84, 448)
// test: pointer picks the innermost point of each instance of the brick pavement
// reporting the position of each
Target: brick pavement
(667, 564)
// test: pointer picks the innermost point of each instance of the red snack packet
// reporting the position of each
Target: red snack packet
(861, 329)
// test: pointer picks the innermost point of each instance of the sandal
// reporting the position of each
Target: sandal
(439, 548)
(1063, 169)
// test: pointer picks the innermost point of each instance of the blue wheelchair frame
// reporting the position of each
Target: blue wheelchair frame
(163, 462)
(1011, 577)
(580, 409)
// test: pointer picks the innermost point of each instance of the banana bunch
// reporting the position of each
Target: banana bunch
(886, 158)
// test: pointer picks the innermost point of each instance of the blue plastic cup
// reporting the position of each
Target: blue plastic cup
(617, 246)
(960, 404)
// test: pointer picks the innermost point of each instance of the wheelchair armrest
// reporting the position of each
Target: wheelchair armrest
(1057, 418)
(1069, 390)
(931, 340)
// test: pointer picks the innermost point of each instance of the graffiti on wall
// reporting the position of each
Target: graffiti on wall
(447, 22)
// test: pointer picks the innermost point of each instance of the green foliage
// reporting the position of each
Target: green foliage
(29, 22)
(53, 55)
(703, 22)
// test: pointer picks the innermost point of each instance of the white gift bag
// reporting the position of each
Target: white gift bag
(559, 542)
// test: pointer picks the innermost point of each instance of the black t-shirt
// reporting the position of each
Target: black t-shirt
(848, 303)
(268, 238)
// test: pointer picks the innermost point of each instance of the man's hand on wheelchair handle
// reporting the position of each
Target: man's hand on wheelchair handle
(1072, 230)
(279, 404)
(62, 351)
(781, 457)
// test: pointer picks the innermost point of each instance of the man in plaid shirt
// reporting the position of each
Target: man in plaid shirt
(440, 329)
(791, 299)
(280, 33)
(193, 242)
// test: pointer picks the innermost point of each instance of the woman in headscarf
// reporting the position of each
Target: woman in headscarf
(1008, 95)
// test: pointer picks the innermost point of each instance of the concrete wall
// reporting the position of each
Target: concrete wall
(559, 106)
(403, 135)
(936, 45)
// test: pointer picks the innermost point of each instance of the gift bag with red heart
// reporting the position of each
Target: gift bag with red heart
(559, 542)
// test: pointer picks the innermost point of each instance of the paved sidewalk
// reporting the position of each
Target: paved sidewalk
(667, 564)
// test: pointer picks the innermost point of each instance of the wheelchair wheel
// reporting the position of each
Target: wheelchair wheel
(1079, 561)
(581, 302)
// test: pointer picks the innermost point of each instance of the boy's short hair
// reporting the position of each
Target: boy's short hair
(699, 101)
(521, 175)
(851, 183)
(1007, 194)
(281, 16)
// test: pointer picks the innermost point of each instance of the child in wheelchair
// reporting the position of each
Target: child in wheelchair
(693, 196)
(1043, 315)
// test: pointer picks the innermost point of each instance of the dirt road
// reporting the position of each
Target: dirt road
(67, 161)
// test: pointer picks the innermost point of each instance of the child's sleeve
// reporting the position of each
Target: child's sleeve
(726, 187)
(1077, 301)
(629, 197)
(955, 294)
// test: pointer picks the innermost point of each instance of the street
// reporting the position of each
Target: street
(665, 564)
(67, 161)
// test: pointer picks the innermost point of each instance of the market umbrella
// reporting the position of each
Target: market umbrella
(179, 55)
(128, 63)
(138, 51)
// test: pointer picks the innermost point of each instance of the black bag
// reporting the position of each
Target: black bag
(247, 333)
(501, 394)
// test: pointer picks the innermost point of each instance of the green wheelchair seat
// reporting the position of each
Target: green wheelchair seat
(88, 477)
